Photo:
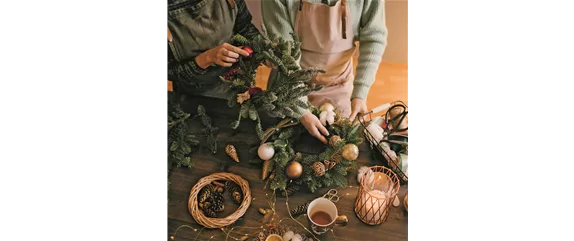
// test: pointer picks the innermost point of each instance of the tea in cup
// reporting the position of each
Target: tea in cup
(323, 215)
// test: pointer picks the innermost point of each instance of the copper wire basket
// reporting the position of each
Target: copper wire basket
(378, 152)
(379, 187)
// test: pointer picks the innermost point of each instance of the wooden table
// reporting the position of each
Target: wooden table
(206, 163)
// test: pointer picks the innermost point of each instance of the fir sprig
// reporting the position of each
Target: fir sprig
(180, 140)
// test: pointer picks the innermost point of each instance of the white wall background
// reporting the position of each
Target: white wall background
(396, 21)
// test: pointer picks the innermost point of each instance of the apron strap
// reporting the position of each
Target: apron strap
(300, 5)
(344, 7)
(231, 3)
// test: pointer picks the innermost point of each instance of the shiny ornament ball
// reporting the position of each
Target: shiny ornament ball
(351, 152)
(294, 170)
(265, 152)
(334, 140)
(327, 107)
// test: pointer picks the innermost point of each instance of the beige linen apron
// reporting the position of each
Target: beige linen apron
(326, 37)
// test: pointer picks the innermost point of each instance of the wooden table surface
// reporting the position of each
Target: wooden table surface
(183, 179)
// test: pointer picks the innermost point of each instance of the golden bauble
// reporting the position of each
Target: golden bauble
(294, 170)
(351, 152)
(334, 140)
(327, 107)
(265, 152)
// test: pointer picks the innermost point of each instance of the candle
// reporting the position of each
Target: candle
(377, 198)
(374, 202)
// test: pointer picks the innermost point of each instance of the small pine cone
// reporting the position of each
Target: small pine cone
(299, 210)
(208, 211)
(334, 140)
(291, 189)
(319, 169)
(232, 152)
(204, 195)
(217, 205)
(234, 191)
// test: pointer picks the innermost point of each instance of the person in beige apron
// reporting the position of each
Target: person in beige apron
(326, 37)
(198, 32)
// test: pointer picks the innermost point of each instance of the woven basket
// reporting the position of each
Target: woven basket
(207, 222)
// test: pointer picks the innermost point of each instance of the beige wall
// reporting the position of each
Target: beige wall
(397, 24)
(396, 12)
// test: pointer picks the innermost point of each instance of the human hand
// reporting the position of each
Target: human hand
(358, 105)
(223, 55)
(314, 127)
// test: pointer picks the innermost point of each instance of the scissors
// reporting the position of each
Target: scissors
(332, 195)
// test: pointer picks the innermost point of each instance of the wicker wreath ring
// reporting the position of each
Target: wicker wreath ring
(207, 222)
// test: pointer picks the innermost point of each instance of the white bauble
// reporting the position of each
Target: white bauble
(297, 237)
(288, 236)
(330, 117)
(265, 152)
(323, 117)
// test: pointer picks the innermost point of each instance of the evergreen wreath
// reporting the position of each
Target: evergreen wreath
(283, 97)
(326, 169)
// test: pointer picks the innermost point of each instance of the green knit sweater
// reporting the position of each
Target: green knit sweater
(369, 29)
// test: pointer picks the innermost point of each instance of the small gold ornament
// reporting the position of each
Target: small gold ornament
(232, 152)
(334, 140)
(267, 167)
(172, 237)
(243, 97)
(319, 169)
(294, 170)
(351, 152)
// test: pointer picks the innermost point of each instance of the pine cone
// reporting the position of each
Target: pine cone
(208, 211)
(232, 152)
(217, 204)
(267, 167)
(204, 195)
(334, 140)
(234, 192)
(299, 210)
(291, 189)
(319, 169)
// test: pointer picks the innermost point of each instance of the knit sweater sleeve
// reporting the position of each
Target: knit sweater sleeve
(372, 43)
(279, 22)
